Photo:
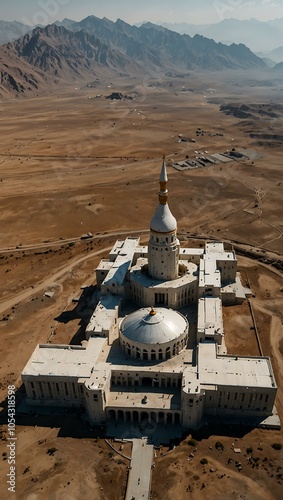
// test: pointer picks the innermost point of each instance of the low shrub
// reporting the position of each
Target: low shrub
(204, 461)
(51, 451)
(219, 445)
(277, 446)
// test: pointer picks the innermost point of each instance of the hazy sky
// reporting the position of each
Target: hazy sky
(133, 11)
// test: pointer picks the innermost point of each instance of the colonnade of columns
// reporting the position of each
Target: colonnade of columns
(157, 417)
(154, 354)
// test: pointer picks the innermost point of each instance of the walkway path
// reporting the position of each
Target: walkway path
(139, 479)
(63, 270)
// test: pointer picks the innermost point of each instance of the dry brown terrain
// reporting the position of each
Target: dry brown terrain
(72, 163)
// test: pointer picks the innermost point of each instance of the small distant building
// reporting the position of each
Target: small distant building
(152, 363)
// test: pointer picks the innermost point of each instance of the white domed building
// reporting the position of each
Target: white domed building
(151, 363)
(155, 335)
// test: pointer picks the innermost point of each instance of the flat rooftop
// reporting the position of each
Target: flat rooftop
(64, 360)
(215, 250)
(191, 251)
(235, 371)
(236, 288)
(104, 314)
(104, 265)
(210, 316)
(156, 400)
(124, 257)
(209, 275)
(146, 281)
(123, 247)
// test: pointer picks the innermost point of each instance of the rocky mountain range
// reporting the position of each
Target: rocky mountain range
(259, 36)
(63, 53)
(166, 49)
(59, 54)
(12, 30)
(18, 77)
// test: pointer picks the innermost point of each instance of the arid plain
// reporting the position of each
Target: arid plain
(74, 162)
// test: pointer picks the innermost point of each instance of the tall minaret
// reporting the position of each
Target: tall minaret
(163, 246)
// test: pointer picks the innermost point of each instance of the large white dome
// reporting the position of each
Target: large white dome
(158, 326)
(163, 221)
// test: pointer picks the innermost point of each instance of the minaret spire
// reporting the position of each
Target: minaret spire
(163, 179)
(163, 246)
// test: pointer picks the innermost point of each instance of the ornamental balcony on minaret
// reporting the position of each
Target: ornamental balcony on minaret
(163, 246)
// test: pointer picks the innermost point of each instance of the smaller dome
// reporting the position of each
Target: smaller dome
(154, 327)
(163, 221)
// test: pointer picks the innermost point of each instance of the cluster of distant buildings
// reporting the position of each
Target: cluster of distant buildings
(204, 159)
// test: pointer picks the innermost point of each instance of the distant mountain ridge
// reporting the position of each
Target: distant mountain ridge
(10, 31)
(61, 52)
(159, 46)
(56, 54)
(276, 54)
(259, 36)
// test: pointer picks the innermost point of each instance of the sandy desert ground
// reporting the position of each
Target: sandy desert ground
(71, 163)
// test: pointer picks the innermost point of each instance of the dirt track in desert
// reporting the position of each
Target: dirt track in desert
(74, 163)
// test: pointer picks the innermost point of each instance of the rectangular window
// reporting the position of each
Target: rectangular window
(49, 389)
(41, 390)
(75, 392)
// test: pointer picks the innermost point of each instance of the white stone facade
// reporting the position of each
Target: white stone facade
(152, 364)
